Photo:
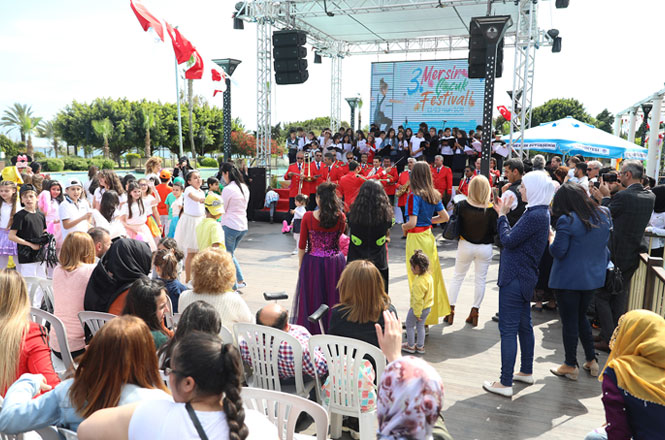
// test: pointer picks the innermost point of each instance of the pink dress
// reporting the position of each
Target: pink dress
(49, 207)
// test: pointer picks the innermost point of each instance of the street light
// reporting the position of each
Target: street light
(229, 65)
(353, 103)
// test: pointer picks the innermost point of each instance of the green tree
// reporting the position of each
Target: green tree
(48, 130)
(19, 117)
(104, 129)
(556, 109)
(7, 145)
(605, 120)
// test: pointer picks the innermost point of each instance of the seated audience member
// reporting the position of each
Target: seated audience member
(415, 389)
(276, 316)
(165, 264)
(70, 279)
(199, 316)
(126, 261)
(362, 302)
(213, 276)
(101, 240)
(119, 367)
(22, 343)
(147, 300)
(205, 376)
(634, 379)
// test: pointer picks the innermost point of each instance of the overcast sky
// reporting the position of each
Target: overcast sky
(53, 52)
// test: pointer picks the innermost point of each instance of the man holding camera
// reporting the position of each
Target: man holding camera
(631, 210)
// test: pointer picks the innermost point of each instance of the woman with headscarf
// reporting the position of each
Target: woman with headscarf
(410, 400)
(523, 246)
(634, 379)
(657, 222)
(126, 261)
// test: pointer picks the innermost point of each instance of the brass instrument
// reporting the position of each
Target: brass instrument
(403, 189)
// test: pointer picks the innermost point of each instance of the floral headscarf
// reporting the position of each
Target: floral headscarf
(410, 399)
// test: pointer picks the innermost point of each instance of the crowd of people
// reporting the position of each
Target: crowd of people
(165, 243)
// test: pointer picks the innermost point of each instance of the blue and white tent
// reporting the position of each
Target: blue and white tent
(569, 136)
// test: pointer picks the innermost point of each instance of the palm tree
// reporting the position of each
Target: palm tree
(104, 128)
(19, 117)
(47, 130)
(149, 121)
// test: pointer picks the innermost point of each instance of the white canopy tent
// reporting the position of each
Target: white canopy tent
(569, 136)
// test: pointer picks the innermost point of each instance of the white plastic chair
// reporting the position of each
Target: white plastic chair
(263, 344)
(176, 318)
(67, 434)
(34, 284)
(170, 322)
(47, 287)
(226, 335)
(283, 410)
(345, 357)
(94, 320)
(41, 317)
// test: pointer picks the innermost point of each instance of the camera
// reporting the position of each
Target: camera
(610, 177)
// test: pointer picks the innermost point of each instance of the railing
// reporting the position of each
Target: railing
(647, 289)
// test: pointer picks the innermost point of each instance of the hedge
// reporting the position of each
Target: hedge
(130, 156)
(52, 164)
(102, 164)
(75, 163)
(208, 162)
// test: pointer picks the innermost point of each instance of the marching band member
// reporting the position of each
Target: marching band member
(350, 184)
(389, 180)
(443, 178)
(294, 173)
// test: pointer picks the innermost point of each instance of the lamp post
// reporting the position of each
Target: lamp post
(646, 109)
(229, 65)
(353, 103)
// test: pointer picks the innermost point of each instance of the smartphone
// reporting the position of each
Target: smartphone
(596, 184)
(497, 193)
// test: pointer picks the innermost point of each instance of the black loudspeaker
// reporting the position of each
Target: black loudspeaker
(561, 4)
(257, 188)
(290, 57)
(478, 53)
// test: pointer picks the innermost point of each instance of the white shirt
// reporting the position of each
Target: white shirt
(299, 212)
(71, 211)
(446, 149)
(656, 226)
(167, 420)
(5, 213)
(138, 217)
(235, 205)
(415, 145)
(191, 206)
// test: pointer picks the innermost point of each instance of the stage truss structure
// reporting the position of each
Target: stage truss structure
(340, 28)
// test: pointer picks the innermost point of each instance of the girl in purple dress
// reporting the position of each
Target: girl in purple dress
(321, 260)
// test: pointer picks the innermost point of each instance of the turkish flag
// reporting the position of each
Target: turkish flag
(146, 19)
(196, 71)
(182, 47)
(505, 112)
(216, 76)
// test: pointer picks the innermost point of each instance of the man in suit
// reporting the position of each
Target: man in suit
(631, 210)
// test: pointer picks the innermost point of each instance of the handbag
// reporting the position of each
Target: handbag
(451, 232)
(613, 275)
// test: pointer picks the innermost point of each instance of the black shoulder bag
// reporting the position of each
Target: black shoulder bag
(613, 277)
(451, 232)
(195, 420)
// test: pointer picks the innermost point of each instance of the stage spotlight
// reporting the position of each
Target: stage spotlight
(317, 58)
(553, 33)
(562, 4)
(238, 23)
(556, 45)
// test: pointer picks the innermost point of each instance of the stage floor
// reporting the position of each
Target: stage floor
(552, 408)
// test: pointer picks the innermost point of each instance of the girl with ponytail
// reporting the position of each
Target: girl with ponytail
(205, 406)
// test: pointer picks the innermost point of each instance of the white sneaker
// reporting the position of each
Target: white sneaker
(295, 252)
(505, 392)
(241, 285)
(529, 380)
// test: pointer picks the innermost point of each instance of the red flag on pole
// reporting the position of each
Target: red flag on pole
(505, 112)
(182, 47)
(216, 76)
(196, 71)
(146, 19)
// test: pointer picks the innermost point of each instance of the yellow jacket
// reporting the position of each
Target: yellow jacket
(422, 293)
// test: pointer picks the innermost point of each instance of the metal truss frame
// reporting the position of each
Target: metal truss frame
(293, 14)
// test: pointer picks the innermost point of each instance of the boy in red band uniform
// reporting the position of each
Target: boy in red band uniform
(389, 179)
(319, 170)
(350, 184)
(364, 166)
(442, 177)
(466, 179)
(376, 172)
(293, 174)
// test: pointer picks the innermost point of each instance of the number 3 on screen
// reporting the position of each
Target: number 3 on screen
(415, 80)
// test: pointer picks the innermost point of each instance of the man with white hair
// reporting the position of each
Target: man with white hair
(593, 169)
(538, 162)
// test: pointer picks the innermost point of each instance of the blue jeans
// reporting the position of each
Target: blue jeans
(231, 240)
(515, 322)
(412, 322)
(573, 305)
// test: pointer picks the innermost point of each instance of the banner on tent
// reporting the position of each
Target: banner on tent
(437, 92)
